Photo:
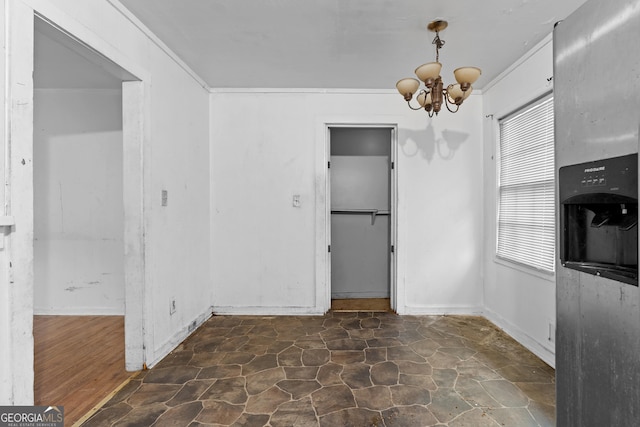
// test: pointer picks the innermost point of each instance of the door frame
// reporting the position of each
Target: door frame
(19, 18)
(323, 206)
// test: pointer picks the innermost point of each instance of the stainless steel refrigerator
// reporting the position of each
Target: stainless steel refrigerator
(597, 119)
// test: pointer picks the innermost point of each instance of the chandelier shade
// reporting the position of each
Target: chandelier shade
(428, 72)
(407, 87)
(432, 98)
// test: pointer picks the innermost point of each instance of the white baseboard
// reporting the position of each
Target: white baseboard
(470, 310)
(533, 345)
(266, 311)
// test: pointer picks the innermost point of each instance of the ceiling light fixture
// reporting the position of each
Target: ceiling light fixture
(431, 98)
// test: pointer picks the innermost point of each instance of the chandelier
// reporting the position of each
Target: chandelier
(431, 98)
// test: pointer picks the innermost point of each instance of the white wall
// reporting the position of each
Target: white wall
(78, 203)
(175, 157)
(519, 300)
(266, 147)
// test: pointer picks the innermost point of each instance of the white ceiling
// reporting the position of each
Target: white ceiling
(354, 44)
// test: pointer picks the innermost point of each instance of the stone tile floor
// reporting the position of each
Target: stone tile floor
(341, 369)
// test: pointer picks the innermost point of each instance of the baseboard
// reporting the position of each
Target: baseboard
(540, 350)
(77, 311)
(266, 311)
(465, 310)
(174, 341)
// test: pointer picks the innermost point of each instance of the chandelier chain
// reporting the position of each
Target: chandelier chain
(439, 43)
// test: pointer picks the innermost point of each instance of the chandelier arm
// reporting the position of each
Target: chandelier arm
(414, 108)
(446, 102)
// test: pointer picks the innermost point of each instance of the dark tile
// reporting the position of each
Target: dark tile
(299, 388)
(408, 416)
(541, 393)
(513, 417)
(107, 416)
(267, 401)
(346, 344)
(220, 371)
(141, 416)
(315, 357)
(359, 368)
(332, 398)
(153, 393)
(172, 375)
(545, 415)
(232, 344)
(414, 368)
(446, 404)
(176, 358)
(404, 395)
(260, 363)
(505, 393)
(292, 356)
(383, 342)
(354, 417)
(445, 377)
(385, 373)
(404, 353)
(525, 374)
(329, 374)
(423, 381)
(475, 418)
(189, 392)
(474, 393)
(218, 412)
(252, 420)
(263, 380)
(357, 375)
(298, 413)
(375, 355)
(301, 373)
(124, 393)
(230, 390)
(347, 357)
(370, 323)
(375, 398)
(180, 415)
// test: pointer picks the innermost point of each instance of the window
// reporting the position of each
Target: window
(526, 220)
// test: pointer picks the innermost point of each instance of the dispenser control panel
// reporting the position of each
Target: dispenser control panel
(594, 177)
(614, 176)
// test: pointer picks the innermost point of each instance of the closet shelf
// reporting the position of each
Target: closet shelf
(372, 212)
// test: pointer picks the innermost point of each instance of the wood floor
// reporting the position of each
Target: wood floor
(361, 304)
(79, 360)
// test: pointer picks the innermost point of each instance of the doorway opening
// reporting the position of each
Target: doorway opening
(79, 223)
(362, 220)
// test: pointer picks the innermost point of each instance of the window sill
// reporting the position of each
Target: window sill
(548, 276)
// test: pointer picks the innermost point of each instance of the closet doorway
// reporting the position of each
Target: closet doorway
(361, 188)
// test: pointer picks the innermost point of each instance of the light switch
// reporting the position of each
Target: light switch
(296, 200)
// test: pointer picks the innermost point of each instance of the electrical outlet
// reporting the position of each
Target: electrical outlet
(172, 306)
(165, 198)
(552, 332)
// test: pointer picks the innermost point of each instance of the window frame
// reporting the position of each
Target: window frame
(500, 257)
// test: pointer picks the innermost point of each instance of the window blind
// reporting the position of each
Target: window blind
(526, 220)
